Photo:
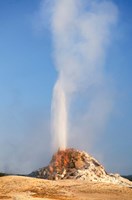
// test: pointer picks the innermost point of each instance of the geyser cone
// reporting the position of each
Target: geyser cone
(74, 164)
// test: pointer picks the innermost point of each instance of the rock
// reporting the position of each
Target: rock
(74, 164)
(79, 164)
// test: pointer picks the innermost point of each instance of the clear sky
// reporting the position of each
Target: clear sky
(27, 76)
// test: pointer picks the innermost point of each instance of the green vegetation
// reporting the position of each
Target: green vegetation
(3, 174)
(129, 177)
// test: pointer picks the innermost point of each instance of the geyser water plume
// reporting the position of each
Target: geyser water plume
(59, 114)
(81, 32)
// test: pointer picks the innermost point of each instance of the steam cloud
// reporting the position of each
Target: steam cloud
(81, 32)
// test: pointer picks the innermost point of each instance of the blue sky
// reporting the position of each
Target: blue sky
(27, 76)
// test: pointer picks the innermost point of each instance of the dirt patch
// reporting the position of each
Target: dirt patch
(4, 197)
(24, 188)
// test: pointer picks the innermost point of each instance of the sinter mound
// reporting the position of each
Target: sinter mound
(74, 164)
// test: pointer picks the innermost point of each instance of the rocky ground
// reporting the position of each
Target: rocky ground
(75, 164)
(25, 188)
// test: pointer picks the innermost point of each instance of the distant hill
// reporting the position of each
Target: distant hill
(129, 177)
(3, 174)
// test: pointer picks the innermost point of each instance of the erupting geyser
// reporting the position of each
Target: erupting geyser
(59, 110)
(81, 32)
